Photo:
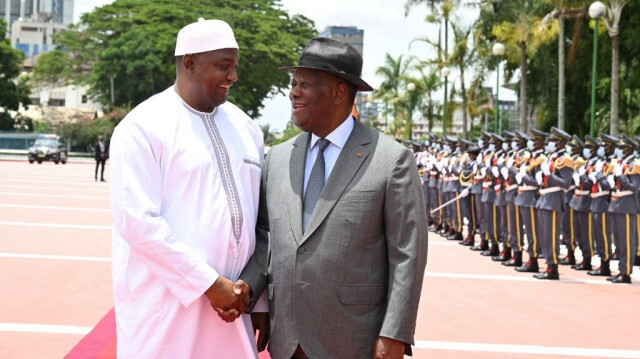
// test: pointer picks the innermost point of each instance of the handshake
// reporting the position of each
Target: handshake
(229, 299)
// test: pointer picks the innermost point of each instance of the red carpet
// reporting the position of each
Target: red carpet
(100, 343)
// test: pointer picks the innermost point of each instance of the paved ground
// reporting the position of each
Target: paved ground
(56, 284)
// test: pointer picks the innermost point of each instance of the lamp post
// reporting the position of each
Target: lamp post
(445, 71)
(498, 50)
(596, 11)
(411, 87)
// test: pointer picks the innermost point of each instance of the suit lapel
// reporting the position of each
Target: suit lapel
(352, 156)
(296, 178)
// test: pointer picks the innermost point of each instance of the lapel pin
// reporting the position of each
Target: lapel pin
(359, 154)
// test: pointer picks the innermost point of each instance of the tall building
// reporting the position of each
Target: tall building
(54, 11)
(349, 34)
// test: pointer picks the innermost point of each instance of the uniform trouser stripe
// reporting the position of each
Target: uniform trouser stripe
(572, 240)
(533, 232)
(459, 216)
(628, 243)
(518, 235)
(638, 235)
(604, 235)
(472, 222)
(495, 229)
(508, 239)
(553, 237)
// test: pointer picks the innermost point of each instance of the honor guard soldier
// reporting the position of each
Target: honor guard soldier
(500, 201)
(527, 192)
(517, 146)
(470, 174)
(488, 199)
(624, 178)
(554, 177)
(478, 189)
(599, 220)
(579, 207)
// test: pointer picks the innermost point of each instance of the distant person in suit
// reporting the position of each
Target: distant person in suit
(101, 154)
(343, 263)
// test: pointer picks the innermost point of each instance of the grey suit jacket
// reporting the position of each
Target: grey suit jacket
(357, 272)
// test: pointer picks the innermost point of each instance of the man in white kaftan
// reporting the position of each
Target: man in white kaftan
(184, 198)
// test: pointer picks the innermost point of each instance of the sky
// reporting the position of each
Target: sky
(386, 30)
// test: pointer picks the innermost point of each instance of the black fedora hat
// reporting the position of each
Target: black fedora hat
(335, 57)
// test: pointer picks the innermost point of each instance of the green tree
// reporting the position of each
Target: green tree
(131, 43)
(391, 88)
(12, 92)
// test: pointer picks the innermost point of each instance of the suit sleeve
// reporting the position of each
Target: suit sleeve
(405, 223)
(255, 272)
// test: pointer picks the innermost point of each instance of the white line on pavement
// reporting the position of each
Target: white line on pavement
(54, 207)
(51, 195)
(528, 349)
(54, 257)
(511, 278)
(54, 225)
(44, 328)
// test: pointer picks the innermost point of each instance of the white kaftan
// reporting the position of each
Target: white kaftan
(184, 201)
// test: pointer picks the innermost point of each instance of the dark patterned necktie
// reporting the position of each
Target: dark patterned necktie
(315, 184)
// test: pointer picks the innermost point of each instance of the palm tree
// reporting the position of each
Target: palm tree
(612, 20)
(427, 85)
(463, 57)
(390, 89)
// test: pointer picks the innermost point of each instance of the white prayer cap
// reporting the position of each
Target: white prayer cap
(203, 36)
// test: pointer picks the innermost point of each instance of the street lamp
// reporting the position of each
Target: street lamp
(596, 11)
(498, 50)
(445, 71)
(411, 87)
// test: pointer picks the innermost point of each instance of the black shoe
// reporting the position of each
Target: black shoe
(493, 251)
(483, 246)
(584, 265)
(102, 180)
(515, 261)
(530, 267)
(504, 256)
(601, 271)
(610, 279)
(568, 260)
(468, 242)
(550, 274)
(622, 278)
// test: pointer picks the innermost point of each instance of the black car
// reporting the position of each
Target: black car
(48, 148)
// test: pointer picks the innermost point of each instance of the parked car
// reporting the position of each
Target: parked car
(48, 148)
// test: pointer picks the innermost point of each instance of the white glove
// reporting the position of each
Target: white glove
(612, 182)
(545, 167)
(582, 170)
(500, 160)
(494, 171)
(510, 162)
(576, 179)
(475, 168)
(487, 162)
(443, 171)
(483, 171)
(523, 169)
(539, 178)
(617, 171)
(450, 168)
(519, 177)
(439, 166)
(599, 165)
(464, 193)
(592, 176)
(504, 172)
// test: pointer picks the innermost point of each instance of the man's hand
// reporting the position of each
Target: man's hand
(228, 299)
(261, 324)
(387, 348)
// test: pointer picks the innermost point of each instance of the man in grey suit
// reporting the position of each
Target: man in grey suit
(343, 279)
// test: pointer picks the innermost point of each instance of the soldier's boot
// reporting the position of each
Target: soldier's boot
(603, 270)
(457, 237)
(493, 251)
(569, 259)
(515, 261)
(584, 265)
(469, 241)
(483, 246)
(550, 274)
(530, 267)
(505, 255)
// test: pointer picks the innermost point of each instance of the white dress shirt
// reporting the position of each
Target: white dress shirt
(337, 139)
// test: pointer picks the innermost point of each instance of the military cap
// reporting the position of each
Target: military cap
(609, 139)
(591, 142)
(576, 142)
(522, 136)
(508, 135)
(474, 149)
(451, 139)
(496, 138)
(538, 134)
(628, 141)
(464, 143)
(559, 134)
(485, 135)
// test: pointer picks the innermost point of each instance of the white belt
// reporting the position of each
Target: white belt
(582, 192)
(550, 190)
(572, 187)
(496, 187)
(433, 173)
(478, 177)
(511, 187)
(599, 194)
(526, 188)
(621, 194)
(486, 184)
(465, 184)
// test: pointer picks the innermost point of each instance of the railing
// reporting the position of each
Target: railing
(16, 140)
